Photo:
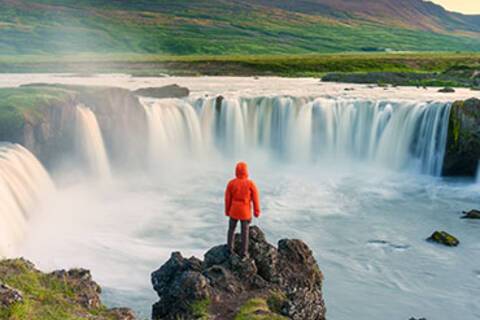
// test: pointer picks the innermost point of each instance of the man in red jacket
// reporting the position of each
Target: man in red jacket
(239, 196)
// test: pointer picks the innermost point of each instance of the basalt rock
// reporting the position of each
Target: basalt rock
(473, 214)
(463, 143)
(218, 286)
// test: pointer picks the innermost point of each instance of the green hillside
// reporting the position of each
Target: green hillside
(215, 27)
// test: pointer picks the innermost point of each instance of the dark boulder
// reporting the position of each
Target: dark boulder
(446, 90)
(444, 238)
(223, 282)
(170, 91)
(473, 214)
(463, 143)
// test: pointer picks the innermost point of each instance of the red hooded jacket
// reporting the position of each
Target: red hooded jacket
(240, 194)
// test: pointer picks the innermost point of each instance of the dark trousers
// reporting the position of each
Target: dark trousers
(231, 236)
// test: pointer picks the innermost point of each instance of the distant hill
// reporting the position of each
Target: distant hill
(182, 27)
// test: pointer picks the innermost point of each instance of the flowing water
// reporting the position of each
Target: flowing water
(90, 143)
(355, 175)
(478, 173)
(23, 183)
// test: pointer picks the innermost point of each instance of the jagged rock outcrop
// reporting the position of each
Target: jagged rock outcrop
(27, 293)
(463, 145)
(170, 91)
(287, 279)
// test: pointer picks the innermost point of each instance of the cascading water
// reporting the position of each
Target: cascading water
(394, 134)
(90, 142)
(318, 164)
(478, 173)
(23, 182)
(174, 128)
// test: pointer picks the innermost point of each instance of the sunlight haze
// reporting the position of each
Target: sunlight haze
(464, 6)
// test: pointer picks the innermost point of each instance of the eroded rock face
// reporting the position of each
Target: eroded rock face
(225, 282)
(463, 144)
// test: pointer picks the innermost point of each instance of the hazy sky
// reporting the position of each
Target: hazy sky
(465, 6)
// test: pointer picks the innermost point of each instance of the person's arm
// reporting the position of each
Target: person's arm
(255, 199)
(228, 199)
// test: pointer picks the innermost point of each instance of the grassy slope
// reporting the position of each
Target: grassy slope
(45, 297)
(195, 28)
(284, 65)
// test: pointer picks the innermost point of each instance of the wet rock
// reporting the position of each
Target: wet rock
(227, 281)
(9, 296)
(473, 214)
(444, 238)
(170, 91)
(218, 103)
(463, 141)
(447, 90)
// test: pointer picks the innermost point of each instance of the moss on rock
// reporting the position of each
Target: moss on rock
(200, 309)
(60, 295)
(463, 142)
(444, 238)
(257, 309)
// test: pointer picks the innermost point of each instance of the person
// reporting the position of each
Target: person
(240, 194)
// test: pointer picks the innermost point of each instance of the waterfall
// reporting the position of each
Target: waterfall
(90, 142)
(23, 182)
(174, 129)
(401, 135)
(478, 173)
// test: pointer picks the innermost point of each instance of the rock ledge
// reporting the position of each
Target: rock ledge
(284, 282)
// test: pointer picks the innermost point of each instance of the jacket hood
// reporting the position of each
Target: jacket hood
(241, 171)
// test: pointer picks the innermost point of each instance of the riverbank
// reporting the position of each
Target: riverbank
(312, 65)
